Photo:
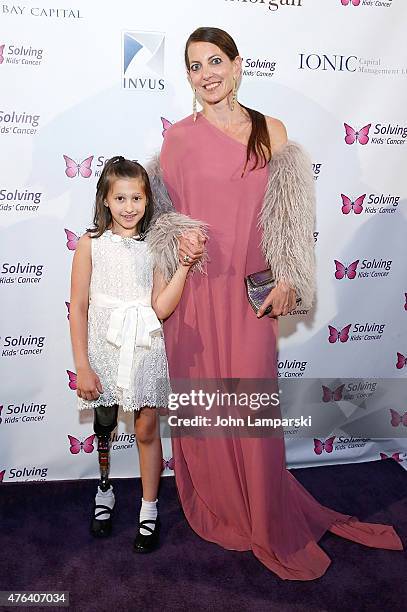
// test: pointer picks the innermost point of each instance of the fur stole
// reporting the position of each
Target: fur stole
(286, 221)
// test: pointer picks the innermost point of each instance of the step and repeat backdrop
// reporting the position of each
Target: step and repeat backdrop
(84, 81)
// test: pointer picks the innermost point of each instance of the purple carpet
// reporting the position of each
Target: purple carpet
(46, 545)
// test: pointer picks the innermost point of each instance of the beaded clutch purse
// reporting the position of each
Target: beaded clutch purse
(258, 286)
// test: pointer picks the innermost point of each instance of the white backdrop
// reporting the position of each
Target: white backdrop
(95, 79)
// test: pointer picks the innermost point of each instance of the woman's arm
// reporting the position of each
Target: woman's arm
(166, 296)
(88, 383)
(283, 297)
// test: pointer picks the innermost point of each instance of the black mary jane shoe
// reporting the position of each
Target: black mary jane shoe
(147, 543)
(101, 528)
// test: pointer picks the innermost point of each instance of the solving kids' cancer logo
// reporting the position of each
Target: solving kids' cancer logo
(395, 456)
(71, 240)
(73, 168)
(398, 419)
(77, 446)
(21, 54)
(361, 136)
(382, 134)
(369, 268)
(20, 273)
(360, 331)
(72, 378)
(23, 412)
(401, 361)
(23, 346)
(19, 200)
(370, 3)
(143, 61)
(380, 203)
(2, 474)
(18, 123)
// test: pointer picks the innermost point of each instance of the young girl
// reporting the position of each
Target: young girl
(117, 302)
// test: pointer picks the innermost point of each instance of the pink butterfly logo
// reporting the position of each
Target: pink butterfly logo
(336, 334)
(398, 419)
(401, 361)
(73, 169)
(2, 475)
(362, 136)
(1, 408)
(345, 271)
(348, 205)
(326, 446)
(332, 396)
(1, 54)
(405, 305)
(166, 125)
(169, 464)
(72, 380)
(68, 307)
(354, 2)
(72, 240)
(77, 446)
(395, 456)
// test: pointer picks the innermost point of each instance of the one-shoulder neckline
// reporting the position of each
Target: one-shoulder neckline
(221, 132)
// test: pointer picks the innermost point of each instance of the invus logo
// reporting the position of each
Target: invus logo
(143, 60)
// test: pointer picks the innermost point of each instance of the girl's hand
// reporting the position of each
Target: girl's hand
(190, 247)
(282, 298)
(88, 385)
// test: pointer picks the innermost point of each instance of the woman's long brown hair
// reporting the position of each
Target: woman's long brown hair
(259, 145)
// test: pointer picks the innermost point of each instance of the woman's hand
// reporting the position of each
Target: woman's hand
(282, 298)
(88, 385)
(190, 247)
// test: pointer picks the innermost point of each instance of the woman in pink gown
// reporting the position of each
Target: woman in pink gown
(236, 491)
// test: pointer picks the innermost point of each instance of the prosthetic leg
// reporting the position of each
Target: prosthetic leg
(104, 423)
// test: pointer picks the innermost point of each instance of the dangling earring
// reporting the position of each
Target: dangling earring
(194, 111)
(234, 95)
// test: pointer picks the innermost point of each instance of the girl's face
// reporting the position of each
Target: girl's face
(211, 72)
(127, 202)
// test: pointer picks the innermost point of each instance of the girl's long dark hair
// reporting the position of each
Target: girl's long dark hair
(119, 167)
(259, 142)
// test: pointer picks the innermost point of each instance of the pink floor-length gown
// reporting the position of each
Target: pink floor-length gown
(235, 491)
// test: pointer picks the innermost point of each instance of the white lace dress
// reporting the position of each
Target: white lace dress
(120, 312)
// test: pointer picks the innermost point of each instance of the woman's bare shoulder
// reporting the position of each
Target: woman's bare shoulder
(277, 133)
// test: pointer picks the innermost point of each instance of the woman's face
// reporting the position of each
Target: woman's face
(211, 72)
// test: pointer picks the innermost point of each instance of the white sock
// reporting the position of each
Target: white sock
(148, 512)
(104, 498)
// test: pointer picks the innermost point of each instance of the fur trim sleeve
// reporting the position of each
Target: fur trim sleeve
(287, 220)
(163, 243)
(162, 201)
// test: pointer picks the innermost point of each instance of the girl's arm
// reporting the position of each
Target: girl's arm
(88, 383)
(166, 296)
